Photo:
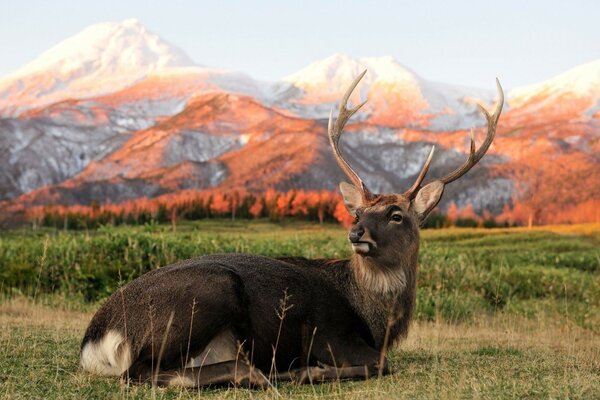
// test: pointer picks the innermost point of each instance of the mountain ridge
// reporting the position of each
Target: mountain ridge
(225, 129)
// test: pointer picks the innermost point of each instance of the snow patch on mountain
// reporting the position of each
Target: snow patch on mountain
(198, 147)
(39, 152)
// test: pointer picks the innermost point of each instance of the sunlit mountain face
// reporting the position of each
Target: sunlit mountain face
(115, 113)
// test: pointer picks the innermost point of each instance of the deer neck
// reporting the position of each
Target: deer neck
(383, 295)
(383, 280)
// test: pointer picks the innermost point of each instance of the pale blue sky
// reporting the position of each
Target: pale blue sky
(463, 42)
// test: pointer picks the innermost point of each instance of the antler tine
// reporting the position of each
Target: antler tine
(348, 93)
(410, 193)
(335, 131)
(475, 156)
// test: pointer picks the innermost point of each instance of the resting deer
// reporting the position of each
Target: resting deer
(247, 319)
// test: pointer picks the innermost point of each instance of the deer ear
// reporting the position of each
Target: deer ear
(427, 198)
(353, 198)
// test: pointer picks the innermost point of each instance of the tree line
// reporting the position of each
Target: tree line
(319, 206)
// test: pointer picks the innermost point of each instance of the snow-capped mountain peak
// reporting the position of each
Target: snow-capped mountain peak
(335, 72)
(582, 81)
(102, 58)
(397, 96)
(125, 46)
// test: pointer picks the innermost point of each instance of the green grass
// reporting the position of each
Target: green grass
(463, 272)
(501, 313)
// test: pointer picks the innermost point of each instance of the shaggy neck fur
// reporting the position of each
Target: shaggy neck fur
(373, 278)
(384, 295)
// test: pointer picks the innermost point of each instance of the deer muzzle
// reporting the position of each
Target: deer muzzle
(361, 240)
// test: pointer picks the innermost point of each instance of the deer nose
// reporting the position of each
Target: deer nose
(356, 233)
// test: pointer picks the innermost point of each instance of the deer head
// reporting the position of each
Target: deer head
(386, 226)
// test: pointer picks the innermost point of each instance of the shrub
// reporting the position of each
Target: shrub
(436, 220)
(466, 223)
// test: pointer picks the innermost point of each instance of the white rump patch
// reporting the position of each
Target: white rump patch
(223, 347)
(110, 356)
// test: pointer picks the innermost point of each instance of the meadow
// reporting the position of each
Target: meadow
(501, 313)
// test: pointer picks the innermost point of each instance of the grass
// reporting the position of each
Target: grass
(501, 313)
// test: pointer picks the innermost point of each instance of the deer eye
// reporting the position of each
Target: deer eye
(396, 217)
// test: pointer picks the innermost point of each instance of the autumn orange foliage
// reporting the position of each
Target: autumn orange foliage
(554, 189)
(312, 205)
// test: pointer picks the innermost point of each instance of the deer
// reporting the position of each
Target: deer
(250, 320)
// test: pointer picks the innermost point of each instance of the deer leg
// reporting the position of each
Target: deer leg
(325, 373)
(225, 373)
(351, 359)
(328, 373)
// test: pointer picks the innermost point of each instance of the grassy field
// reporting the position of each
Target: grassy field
(507, 313)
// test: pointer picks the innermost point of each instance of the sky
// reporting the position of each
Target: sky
(461, 42)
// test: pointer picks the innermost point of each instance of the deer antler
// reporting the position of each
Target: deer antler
(474, 156)
(410, 193)
(335, 131)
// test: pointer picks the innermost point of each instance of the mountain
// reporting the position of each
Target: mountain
(230, 141)
(100, 59)
(397, 96)
(168, 124)
(109, 57)
(48, 144)
(576, 91)
(55, 143)
(561, 114)
(80, 100)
